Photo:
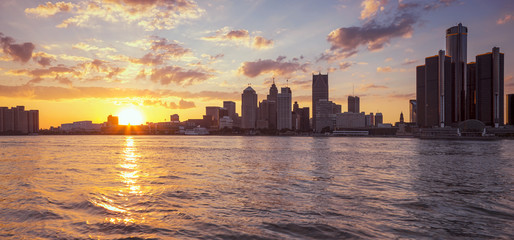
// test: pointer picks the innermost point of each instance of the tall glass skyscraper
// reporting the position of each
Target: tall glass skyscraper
(249, 108)
(456, 47)
(319, 92)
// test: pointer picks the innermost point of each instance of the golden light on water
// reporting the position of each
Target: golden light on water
(130, 116)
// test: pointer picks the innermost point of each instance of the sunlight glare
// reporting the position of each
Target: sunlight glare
(130, 116)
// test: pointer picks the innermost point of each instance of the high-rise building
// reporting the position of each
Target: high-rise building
(319, 91)
(510, 109)
(336, 108)
(212, 111)
(353, 104)
(412, 110)
(175, 118)
(456, 47)
(472, 90)
(438, 110)
(379, 119)
(231, 108)
(284, 117)
(433, 91)
(272, 99)
(18, 121)
(112, 120)
(324, 115)
(420, 95)
(303, 116)
(263, 113)
(248, 108)
(490, 89)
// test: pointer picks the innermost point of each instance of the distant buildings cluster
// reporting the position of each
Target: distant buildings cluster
(17, 120)
(450, 91)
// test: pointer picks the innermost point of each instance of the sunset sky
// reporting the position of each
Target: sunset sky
(86, 59)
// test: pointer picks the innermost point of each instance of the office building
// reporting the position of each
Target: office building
(319, 92)
(353, 104)
(263, 113)
(379, 119)
(510, 109)
(17, 120)
(350, 120)
(456, 47)
(490, 87)
(420, 95)
(412, 110)
(324, 116)
(302, 115)
(248, 108)
(272, 102)
(112, 120)
(284, 116)
(175, 118)
(212, 111)
(337, 108)
(231, 108)
(472, 90)
(370, 120)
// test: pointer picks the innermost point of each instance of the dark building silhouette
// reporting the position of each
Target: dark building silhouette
(456, 48)
(434, 91)
(284, 118)
(336, 108)
(175, 118)
(420, 95)
(231, 108)
(353, 104)
(18, 121)
(272, 98)
(324, 115)
(490, 92)
(379, 119)
(319, 92)
(303, 116)
(249, 108)
(412, 110)
(510, 109)
(472, 90)
(112, 120)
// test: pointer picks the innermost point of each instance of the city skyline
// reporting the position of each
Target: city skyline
(74, 63)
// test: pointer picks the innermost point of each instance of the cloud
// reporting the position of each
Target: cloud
(182, 104)
(18, 52)
(403, 96)
(345, 65)
(87, 47)
(277, 67)
(378, 31)
(161, 51)
(261, 42)
(384, 69)
(43, 59)
(408, 61)
(151, 14)
(370, 7)
(369, 86)
(507, 18)
(178, 75)
(29, 91)
(225, 34)
(57, 73)
(50, 9)
(388, 59)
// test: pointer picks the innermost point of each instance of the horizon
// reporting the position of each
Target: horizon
(165, 58)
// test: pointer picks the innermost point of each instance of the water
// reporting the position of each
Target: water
(186, 187)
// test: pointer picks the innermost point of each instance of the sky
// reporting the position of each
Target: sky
(86, 59)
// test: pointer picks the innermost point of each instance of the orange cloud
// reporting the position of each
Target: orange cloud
(151, 14)
(50, 9)
(178, 75)
(384, 69)
(261, 42)
(371, 7)
(182, 104)
(43, 59)
(369, 86)
(507, 18)
(276, 67)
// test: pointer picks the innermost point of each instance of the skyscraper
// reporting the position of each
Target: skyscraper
(412, 110)
(284, 118)
(324, 115)
(18, 121)
(456, 47)
(353, 104)
(379, 119)
(420, 95)
(438, 110)
(472, 90)
(510, 109)
(231, 108)
(272, 99)
(319, 91)
(249, 108)
(490, 92)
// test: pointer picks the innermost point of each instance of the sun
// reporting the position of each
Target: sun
(130, 116)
